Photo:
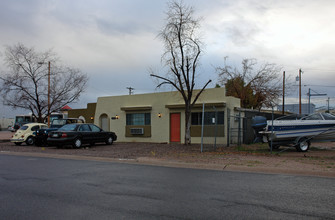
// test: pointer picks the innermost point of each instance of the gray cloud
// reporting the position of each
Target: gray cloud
(114, 41)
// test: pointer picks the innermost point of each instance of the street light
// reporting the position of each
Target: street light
(48, 91)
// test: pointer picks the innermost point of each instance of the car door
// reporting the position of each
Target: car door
(98, 133)
(34, 129)
(86, 134)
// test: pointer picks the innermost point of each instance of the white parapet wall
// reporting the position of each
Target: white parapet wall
(5, 122)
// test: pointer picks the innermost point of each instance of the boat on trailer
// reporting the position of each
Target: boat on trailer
(298, 131)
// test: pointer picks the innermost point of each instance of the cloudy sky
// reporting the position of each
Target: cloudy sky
(115, 41)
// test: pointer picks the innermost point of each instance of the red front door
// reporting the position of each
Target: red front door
(175, 127)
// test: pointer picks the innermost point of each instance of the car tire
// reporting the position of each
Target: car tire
(18, 143)
(77, 143)
(303, 145)
(109, 140)
(30, 140)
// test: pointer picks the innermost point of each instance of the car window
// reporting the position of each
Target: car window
(68, 127)
(35, 128)
(44, 127)
(24, 128)
(95, 128)
(84, 128)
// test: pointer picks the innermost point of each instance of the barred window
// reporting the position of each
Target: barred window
(138, 119)
(196, 118)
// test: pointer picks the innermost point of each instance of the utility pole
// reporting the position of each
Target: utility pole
(309, 98)
(130, 90)
(300, 91)
(283, 109)
(49, 94)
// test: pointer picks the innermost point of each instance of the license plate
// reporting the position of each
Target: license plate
(54, 135)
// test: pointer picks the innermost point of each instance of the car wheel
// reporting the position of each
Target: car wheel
(30, 140)
(303, 145)
(77, 143)
(18, 143)
(109, 140)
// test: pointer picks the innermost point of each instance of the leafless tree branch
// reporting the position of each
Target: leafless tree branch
(25, 83)
(181, 56)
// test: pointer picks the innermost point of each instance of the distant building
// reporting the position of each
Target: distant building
(294, 108)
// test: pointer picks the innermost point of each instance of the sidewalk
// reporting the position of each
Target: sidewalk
(5, 136)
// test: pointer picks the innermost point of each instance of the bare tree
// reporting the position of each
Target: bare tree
(256, 85)
(25, 83)
(181, 56)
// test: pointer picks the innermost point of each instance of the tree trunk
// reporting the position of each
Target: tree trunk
(40, 118)
(187, 126)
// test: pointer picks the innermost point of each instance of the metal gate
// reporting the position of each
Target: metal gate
(235, 122)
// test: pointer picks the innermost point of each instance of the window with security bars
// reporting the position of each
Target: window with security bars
(196, 118)
(138, 119)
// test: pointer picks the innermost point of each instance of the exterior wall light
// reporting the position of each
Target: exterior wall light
(115, 117)
(159, 115)
(92, 117)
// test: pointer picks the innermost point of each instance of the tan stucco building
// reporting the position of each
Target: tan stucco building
(160, 117)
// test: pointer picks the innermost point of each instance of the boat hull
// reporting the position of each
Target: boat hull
(284, 131)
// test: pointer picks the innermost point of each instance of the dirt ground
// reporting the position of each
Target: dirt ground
(318, 161)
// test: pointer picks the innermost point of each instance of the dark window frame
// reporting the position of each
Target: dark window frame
(131, 118)
(196, 118)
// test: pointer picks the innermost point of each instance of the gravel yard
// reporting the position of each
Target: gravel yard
(319, 160)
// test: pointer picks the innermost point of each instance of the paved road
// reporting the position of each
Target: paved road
(44, 188)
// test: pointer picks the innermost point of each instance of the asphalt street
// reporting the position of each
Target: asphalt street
(46, 188)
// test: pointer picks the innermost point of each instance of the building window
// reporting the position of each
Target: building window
(138, 119)
(196, 118)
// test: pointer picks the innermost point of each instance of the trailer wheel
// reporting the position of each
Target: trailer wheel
(303, 145)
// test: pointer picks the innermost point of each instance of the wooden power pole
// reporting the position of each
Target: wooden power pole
(283, 108)
(300, 91)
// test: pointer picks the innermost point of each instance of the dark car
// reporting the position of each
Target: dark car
(41, 135)
(79, 134)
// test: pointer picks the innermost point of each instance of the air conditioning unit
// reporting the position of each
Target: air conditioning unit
(136, 131)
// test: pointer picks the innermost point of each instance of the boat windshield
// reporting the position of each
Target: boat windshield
(290, 117)
(328, 116)
(316, 116)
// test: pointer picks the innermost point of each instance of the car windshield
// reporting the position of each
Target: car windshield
(68, 127)
(24, 127)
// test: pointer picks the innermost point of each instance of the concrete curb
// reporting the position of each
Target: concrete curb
(5, 140)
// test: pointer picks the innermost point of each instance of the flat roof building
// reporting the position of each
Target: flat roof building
(160, 117)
